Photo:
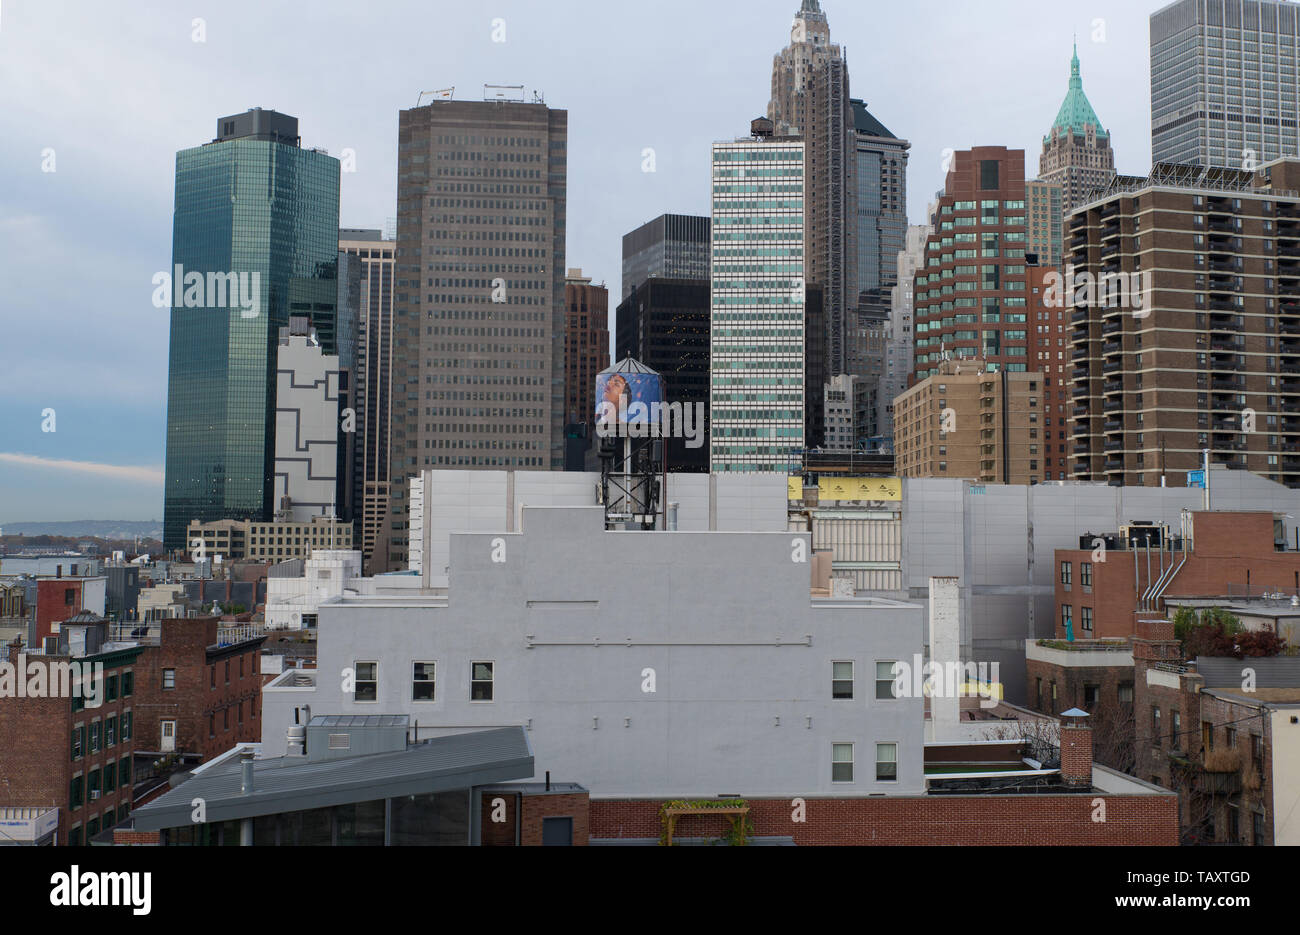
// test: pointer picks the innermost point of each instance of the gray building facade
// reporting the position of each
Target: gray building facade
(1225, 75)
(644, 664)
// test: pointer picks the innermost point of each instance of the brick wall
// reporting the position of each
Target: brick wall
(498, 833)
(536, 807)
(922, 820)
(121, 837)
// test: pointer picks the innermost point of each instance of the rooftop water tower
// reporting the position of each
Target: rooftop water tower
(629, 410)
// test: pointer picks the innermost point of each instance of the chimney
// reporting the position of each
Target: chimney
(1076, 749)
(945, 648)
(246, 771)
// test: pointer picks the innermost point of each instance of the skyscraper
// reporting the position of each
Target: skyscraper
(373, 390)
(810, 99)
(1186, 327)
(478, 371)
(1076, 151)
(757, 320)
(898, 343)
(672, 246)
(307, 406)
(970, 294)
(881, 176)
(254, 239)
(1225, 75)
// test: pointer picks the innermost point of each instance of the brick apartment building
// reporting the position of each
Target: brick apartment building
(1222, 553)
(198, 686)
(60, 754)
(970, 296)
(1190, 338)
(997, 436)
(1049, 353)
(1232, 753)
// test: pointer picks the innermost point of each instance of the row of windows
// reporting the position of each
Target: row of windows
(99, 782)
(112, 684)
(109, 731)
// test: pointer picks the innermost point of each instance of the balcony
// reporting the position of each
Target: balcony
(1112, 366)
(1082, 448)
(1113, 425)
(1114, 404)
(1227, 384)
(1079, 411)
(1080, 352)
(1114, 464)
(1079, 373)
(1114, 326)
(1079, 316)
(1112, 347)
(1113, 446)
(1227, 345)
(1113, 386)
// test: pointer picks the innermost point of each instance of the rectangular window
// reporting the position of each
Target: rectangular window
(367, 682)
(886, 762)
(111, 688)
(1207, 735)
(1091, 695)
(169, 679)
(1155, 726)
(480, 681)
(1065, 573)
(1085, 618)
(78, 742)
(94, 736)
(128, 684)
(1124, 692)
(885, 679)
(75, 793)
(126, 726)
(1175, 730)
(422, 682)
(124, 773)
(841, 679)
(1257, 752)
(110, 732)
(841, 762)
(1085, 574)
(1067, 615)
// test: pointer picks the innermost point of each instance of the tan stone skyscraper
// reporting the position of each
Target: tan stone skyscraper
(1076, 152)
(810, 99)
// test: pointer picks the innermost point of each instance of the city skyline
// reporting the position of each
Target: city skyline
(91, 233)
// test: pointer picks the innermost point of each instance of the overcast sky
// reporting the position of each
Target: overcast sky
(105, 93)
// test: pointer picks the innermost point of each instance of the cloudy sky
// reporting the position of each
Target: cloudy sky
(105, 93)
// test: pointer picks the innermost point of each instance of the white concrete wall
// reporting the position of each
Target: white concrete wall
(1286, 775)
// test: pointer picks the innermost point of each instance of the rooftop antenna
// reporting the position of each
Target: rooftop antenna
(442, 94)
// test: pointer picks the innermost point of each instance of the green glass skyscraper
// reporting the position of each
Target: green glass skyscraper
(254, 240)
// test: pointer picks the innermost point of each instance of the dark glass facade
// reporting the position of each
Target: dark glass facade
(267, 212)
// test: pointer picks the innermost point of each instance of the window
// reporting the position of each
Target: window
(1085, 618)
(78, 742)
(1176, 730)
(126, 726)
(110, 732)
(1085, 574)
(841, 762)
(227, 671)
(128, 684)
(422, 682)
(75, 792)
(1091, 695)
(1257, 752)
(1230, 734)
(1257, 828)
(1067, 615)
(480, 681)
(69, 596)
(74, 837)
(1207, 735)
(110, 684)
(92, 785)
(1155, 727)
(94, 737)
(212, 675)
(212, 725)
(1124, 693)
(885, 675)
(841, 679)
(886, 762)
(169, 679)
(366, 687)
(1065, 573)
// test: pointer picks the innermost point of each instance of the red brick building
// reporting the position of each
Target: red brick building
(586, 345)
(61, 753)
(1104, 594)
(60, 597)
(1200, 733)
(199, 686)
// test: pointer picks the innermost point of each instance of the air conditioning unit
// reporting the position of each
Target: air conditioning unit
(94, 794)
